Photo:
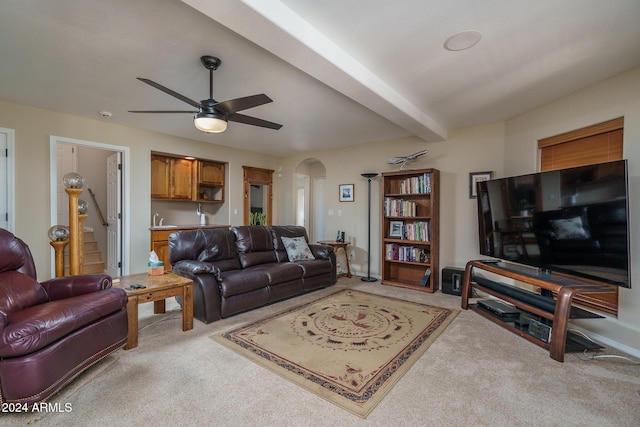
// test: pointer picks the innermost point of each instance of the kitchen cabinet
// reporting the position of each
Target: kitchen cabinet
(160, 245)
(175, 178)
(171, 178)
(208, 181)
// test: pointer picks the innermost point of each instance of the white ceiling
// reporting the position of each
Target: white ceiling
(340, 72)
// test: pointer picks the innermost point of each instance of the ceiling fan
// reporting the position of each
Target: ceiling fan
(212, 116)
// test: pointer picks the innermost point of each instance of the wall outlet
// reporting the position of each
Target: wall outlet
(352, 254)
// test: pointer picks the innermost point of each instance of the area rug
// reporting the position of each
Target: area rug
(350, 347)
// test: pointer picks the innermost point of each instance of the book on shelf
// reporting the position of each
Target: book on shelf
(419, 231)
(396, 252)
(426, 277)
(399, 207)
(420, 184)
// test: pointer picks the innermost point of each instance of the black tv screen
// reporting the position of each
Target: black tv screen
(572, 221)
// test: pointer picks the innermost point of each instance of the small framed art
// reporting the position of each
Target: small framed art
(474, 178)
(346, 192)
(395, 229)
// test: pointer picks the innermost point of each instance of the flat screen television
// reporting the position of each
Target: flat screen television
(573, 221)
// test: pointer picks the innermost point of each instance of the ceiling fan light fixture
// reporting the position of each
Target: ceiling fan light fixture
(210, 123)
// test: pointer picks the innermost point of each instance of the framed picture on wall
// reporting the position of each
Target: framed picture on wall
(346, 192)
(474, 178)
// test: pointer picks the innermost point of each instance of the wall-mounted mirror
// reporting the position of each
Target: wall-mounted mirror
(258, 192)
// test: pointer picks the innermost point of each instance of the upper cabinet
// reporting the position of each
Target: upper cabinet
(160, 177)
(210, 173)
(174, 178)
(209, 181)
(181, 173)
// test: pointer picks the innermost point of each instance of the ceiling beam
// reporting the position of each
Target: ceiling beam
(276, 28)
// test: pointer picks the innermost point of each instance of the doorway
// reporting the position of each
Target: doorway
(7, 186)
(110, 185)
(310, 197)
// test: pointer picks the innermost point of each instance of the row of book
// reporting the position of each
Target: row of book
(419, 231)
(399, 207)
(397, 252)
(416, 184)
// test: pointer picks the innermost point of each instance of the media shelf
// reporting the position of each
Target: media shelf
(410, 229)
(555, 313)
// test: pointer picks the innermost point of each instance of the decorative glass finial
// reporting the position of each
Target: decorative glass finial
(73, 180)
(59, 233)
(83, 207)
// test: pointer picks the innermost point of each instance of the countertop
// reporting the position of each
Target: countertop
(187, 227)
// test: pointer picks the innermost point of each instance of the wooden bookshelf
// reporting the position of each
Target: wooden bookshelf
(410, 228)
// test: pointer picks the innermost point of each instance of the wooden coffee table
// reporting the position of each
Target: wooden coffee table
(158, 288)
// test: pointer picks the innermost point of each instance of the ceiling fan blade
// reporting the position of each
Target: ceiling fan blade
(248, 120)
(163, 111)
(170, 92)
(239, 104)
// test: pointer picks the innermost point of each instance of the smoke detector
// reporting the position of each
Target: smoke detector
(105, 114)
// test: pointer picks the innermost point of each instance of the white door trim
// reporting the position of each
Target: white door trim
(126, 197)
(11, 177)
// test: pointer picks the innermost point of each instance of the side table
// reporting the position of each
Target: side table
(337, 245)
(158, 288)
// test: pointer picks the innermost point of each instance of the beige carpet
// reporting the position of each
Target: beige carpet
(475, 374)
(350, 347)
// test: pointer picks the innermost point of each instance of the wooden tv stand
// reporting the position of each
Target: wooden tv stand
(564, 287)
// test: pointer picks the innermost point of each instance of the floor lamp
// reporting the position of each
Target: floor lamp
(369, 177)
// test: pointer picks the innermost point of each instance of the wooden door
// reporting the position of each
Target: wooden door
(258, 176)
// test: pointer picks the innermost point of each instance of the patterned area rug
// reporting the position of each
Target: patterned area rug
(350, 347)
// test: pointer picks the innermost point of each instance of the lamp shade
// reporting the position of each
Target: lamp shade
(83, 207)
(210, 122)
(58, 233)
(73, 180)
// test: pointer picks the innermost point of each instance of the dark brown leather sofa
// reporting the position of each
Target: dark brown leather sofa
(52, 331)
(245, 267)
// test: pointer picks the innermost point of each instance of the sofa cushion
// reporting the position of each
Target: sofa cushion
(209, 245)
(314, 268)
(254, 245)
(281, 272)
(235, 282)
(280, 231)
(19, 292)
(36, 327)
(297, 249)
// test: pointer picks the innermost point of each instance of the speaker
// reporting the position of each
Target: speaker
(452, 280)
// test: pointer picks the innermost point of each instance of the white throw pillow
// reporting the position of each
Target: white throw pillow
(297, 249)
(570, 228)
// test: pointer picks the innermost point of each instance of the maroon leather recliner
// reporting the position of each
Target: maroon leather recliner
(52, 331)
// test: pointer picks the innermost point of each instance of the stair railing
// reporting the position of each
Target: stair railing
(93, 196)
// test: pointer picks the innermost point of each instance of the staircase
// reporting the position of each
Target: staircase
(93, 262)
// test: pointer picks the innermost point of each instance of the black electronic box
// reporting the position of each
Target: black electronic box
(452, 281)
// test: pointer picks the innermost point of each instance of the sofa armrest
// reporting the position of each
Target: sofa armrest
(72, 286)
(321, 251)
(195, 267)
